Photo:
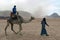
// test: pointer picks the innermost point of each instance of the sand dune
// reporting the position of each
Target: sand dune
(32, 30)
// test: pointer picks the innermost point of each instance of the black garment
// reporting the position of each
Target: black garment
(44, 23)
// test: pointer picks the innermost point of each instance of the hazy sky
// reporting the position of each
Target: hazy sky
(36, 7)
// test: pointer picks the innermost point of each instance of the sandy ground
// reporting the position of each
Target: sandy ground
(32, 30)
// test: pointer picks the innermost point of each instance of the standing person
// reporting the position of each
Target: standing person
(44, 23)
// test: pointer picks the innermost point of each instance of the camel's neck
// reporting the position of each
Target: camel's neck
(27, 21)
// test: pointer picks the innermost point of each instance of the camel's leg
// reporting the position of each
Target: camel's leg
(20, 28)
(12, 28)
(6, 28)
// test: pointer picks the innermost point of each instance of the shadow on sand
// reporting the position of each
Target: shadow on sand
(10, 36)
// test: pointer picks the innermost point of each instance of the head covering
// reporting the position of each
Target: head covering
(14, 5)
(44, 19)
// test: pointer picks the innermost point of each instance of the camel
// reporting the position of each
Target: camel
(18, 21)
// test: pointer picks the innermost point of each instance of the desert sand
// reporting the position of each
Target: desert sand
(32, 30)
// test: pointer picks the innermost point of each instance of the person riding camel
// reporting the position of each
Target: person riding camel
(14, 11)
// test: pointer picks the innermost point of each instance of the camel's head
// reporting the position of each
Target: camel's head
(32, 18)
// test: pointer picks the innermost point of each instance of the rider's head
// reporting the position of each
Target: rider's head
(14, 5)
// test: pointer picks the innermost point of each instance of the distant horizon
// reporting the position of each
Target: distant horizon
(6, 14)
(26, 11)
